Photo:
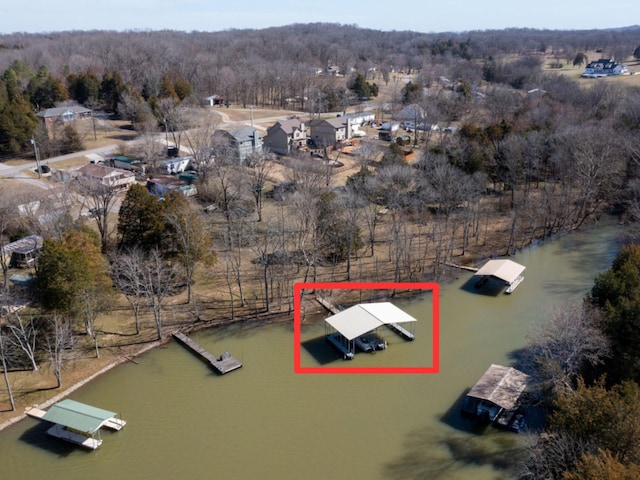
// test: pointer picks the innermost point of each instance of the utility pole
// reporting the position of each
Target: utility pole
(37, 152)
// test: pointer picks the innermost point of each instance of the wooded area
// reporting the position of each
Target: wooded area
(529, 151)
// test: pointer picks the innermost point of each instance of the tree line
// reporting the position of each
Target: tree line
(134, 73)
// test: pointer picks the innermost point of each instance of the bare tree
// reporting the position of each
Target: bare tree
(100, 198)
(259, 170)
(59, 344)
(159, 280)
(5, 370)
(192, 240)
(128, 277)
(560, 348)
(24, 335)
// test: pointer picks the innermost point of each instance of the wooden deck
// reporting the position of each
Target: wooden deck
(328, 305)
(403, 332)
(223, 364)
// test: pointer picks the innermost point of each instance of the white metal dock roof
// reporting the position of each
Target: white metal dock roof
(506, 270)
(364, 317)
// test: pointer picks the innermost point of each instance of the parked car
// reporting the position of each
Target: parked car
(45, 170)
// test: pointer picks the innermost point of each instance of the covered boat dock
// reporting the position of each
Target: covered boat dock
(505, 271)
(356, 326)
(77, 422)
(496, 394)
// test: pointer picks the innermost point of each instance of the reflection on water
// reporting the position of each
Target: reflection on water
(264, 421)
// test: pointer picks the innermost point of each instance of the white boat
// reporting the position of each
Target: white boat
(513, 285)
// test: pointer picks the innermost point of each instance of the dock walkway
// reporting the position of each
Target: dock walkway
(223, 364)
(328, 305)
(403, 332)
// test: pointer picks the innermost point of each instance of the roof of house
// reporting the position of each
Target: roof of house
(506, 270)
(364, 317)
(23, 245)
(102, 171)
(335, 122)
(241, 135)
(78, 416)
(287, 126)
(500, 385)
(58, 111)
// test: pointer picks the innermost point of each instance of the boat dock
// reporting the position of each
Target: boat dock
(223, 364)
(403, 332)
(334, 340)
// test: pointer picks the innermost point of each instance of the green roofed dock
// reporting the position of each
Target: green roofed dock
(223, 364)
(77, 422)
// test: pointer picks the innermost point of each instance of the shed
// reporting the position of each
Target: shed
(22, 253)
(499, 389)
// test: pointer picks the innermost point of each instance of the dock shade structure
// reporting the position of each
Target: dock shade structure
(498, 391)
(354, 326)
(504, 270)
(79, 423)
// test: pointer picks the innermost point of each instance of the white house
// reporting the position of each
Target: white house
(604, 67)
(176, 165)
(107, 176)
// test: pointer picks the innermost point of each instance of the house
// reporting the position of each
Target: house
(326, 132)
(106, 176)
(604, 67)
(62, 115)
(287, 136)
(214, 100)
(240, 143)
(361, 118)
(22, 253)
(176, 165)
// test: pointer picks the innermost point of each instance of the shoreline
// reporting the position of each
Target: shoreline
(273, 318)
(311, 315)
(80, 384)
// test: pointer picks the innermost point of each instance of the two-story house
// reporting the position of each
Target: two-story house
(325, 132)
(604, 67)
(240, 143)
(286, 136)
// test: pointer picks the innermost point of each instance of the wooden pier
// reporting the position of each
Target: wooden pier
(223, 364)
(328, 305)
(461, 267)
(403, 332)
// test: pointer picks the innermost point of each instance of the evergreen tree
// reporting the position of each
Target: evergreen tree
(17, 120)
(617, 293)
(141, 220)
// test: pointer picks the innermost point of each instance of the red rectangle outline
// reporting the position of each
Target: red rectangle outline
(434, 287)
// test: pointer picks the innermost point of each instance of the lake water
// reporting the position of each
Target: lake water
(265, 421)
